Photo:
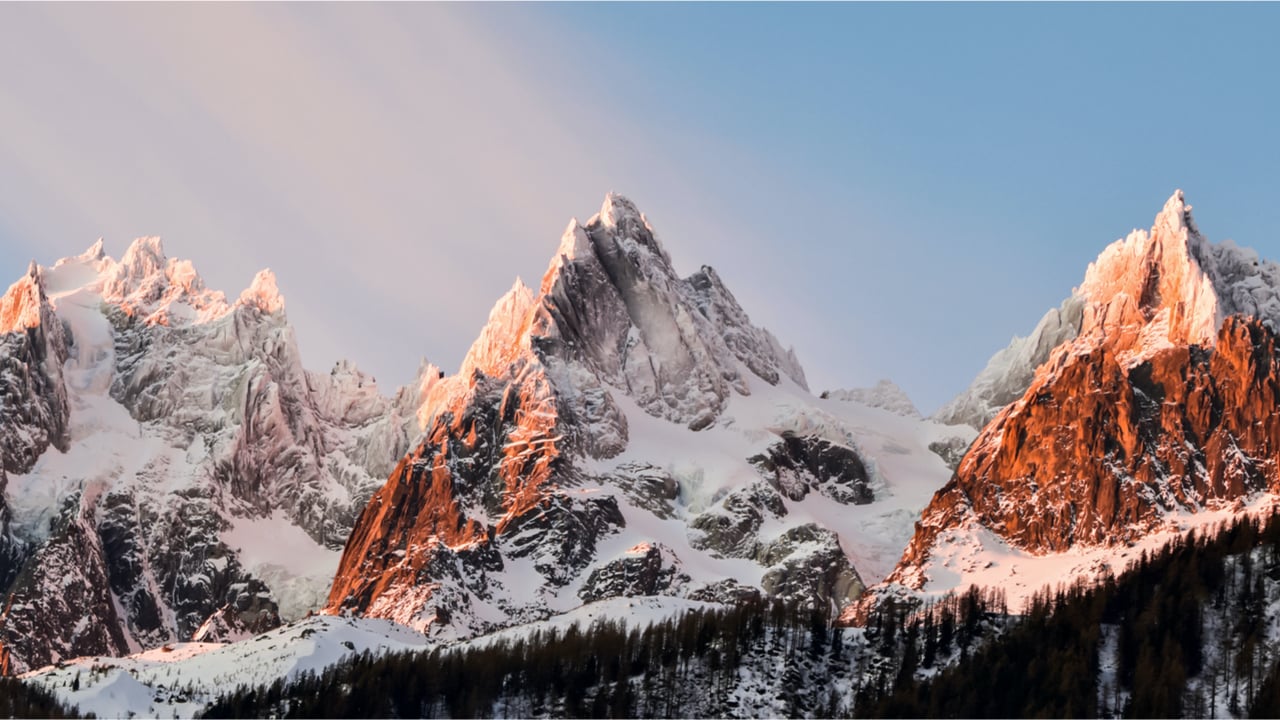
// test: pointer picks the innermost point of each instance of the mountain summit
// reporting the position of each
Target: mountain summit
(173, 473)
(170, 470)
(1160, 405)
(623, 431)
(1154, 289)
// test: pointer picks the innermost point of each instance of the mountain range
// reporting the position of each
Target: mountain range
(619, 442)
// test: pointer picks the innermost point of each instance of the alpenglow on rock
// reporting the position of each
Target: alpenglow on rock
(1151, 290)
(620, 431)
(161, 446)
(1162, 406)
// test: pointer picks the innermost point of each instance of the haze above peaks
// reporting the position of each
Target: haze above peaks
(890, 213)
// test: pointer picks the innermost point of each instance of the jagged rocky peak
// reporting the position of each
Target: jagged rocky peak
(263, 293)
(195, 425)
(1154, 289)
(611, 304)
(613, 301)
(33, 347)
(1149, 291)
(629, 224)
(147, 283)
(494, 494)
(94, 253)
(1163, 403)
(1098, 453)
(885, 395)
(573, 244)
(504, 336)
(20, 307)
(756, 347)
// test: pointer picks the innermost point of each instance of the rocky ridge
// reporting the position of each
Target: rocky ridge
(146, 422)
(620, 431)
(1161, 402)
(1157, 288)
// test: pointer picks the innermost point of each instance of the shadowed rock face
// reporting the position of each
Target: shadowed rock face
(34, 410)
(797, 465)
(1095, 453)
(642, 571)
(502, 506)
(808, 568)
(195, 413)
(1155, 289)
(33, 400)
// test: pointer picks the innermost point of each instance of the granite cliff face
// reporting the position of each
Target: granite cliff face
(551, 470)
(33, 348)
(1154, 289)
(1162, 401)
(157, 440)
(173, 472)
(1099, 454)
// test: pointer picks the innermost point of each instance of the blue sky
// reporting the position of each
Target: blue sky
(894, 189)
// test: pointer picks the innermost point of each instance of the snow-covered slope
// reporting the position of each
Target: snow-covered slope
(180, 679)
(974, 555)
(172, 468)
(885, 395)
(623, 431)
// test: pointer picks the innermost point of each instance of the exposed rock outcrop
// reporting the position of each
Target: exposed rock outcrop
(514, 504)
(1154, 289)
(1096, 453)
(1163, 402)
(144, 419)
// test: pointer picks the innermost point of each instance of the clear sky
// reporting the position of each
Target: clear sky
(894, 189)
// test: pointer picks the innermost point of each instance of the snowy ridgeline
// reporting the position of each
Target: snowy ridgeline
(204, 482)
(623, 430)
(200, 482)
(885, 395)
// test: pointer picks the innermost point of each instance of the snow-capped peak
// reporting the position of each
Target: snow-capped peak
(241, 471)
(574, 243)
(617, 209)
(94, 253)
(502, 337)
(144, 256)
(1175, 220)
(620, 218)
(263, 293)
(148, 284)
(20, 306)
(1149, 291)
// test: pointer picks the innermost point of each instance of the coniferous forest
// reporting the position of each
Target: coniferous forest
(24, 700)
(1185, 632)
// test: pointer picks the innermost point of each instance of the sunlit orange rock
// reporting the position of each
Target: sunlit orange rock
(1095, 453)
